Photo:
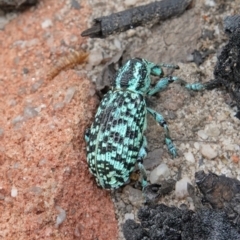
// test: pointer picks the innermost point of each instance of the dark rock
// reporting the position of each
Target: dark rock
(231, 23)
(221, 221)
(133, 230)
(227, 69)
(154, 192)
(222, 193)
(75, 4)
(170, 223)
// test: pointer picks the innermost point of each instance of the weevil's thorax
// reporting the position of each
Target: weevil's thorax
(133, 76)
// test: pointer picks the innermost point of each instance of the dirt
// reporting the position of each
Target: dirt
(46, 190)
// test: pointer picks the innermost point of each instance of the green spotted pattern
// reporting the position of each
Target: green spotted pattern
(115, 140)
(115, 137)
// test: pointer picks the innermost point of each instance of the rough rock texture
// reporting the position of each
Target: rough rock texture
(46, 191)
(220, 221)
(221, 192)
(168, 223)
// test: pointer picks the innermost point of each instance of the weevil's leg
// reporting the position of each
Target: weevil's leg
(141, 155)
(162, 84)
(195, 86)
(86, 136)
(156, 69)
(192, 86)
(160, 120)
(167, 65)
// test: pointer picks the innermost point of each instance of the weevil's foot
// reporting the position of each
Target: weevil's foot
(191, 86)
(144, 183)
(195, 86)
(171, 148)
(173, 152)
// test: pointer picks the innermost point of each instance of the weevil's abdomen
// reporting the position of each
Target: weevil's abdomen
(115, 137)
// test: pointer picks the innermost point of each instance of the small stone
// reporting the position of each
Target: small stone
(135, 196)
(61, 216)
(210, 3)
(129, 3)
(74, 38)
(212, 131)
(77, 232)
(227, 143)
(196, 145)
(181, 190)
(32, 42)
(129, 208)
(1, 132)
(231, 147)
(153, 158)
(30, 112)
(25, 70)
(14, 192)
(172, 115)
(129, 216)
(202, 134)
(16, 165)
(69, 94)
(47, 23)
(5, 19)
(35, 86)
(189, 157)
(12, 102)
(131, 33)
(120, 205)
(208, 152)
(95, 57)
(42, 162)
(17, 119)
(3, 22)
(222, 116)
(24, 44)
(58, 106)
(117, 43)
(159, 173)
(75, 4)
(36, 190)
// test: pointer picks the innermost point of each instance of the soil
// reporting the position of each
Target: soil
(46, 191)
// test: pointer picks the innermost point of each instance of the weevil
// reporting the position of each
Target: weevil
(115, 141)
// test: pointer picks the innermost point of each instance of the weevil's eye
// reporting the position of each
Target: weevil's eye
(157, 71)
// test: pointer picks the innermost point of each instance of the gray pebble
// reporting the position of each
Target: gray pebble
(208, 152)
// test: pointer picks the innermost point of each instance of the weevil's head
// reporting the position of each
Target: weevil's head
(134, 75)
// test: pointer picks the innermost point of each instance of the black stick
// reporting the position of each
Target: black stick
(10, 5)
(134, 17)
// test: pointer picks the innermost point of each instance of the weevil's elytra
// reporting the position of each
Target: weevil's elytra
(115, 140)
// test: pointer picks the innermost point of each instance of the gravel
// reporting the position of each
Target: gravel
(204, 128)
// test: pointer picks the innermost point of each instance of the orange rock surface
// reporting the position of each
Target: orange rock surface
(46, 190)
